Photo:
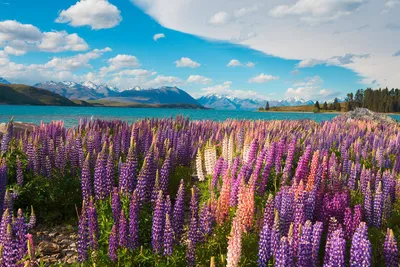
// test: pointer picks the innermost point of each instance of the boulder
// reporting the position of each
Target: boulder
(366, 114)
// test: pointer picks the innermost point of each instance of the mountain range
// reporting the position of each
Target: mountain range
(223, 102)
(4, 81)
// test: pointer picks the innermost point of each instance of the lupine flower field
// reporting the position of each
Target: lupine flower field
(175, 192)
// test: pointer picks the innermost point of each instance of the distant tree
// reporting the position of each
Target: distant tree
(316, 105)
(336, 104)
(267, 106)
(325, 107)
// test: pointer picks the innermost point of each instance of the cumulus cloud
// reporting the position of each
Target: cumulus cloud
(120, 62)
(220, 18)
(162, 80)
(98, 14)
(263, 78)
(236, 63)
(198, 79)
(186, 62)
(158, 36)
(392, 3)
(18, 39)
(135, 73)
(311, 89)
(315, 11)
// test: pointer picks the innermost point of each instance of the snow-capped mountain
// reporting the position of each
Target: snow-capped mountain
(83, 91)
(223, 102)
(4, 81)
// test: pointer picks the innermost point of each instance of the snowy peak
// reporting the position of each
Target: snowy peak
(4, 81)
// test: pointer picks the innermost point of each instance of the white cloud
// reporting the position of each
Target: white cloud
(336, 60)
(244, 11)
(234, 63)
(250, 64)
(186, 62)
(310, 89)
(225, 89)
(98, 14)
(135, 72)
(162, 80)
(120, 62)
(62, 41)
(237, 63)
(18, 39)
(219, 18)
(315, 11)
(158, 36)
(198, 79)
(292, 37)
(392, 3)
(263, 78)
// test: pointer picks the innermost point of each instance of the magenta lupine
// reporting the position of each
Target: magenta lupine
(168, 236)
(179, 211)
(113, 244)
(284, 256)
(19, 172)
(217, 171)
(123, 235)
(390, 250)
(264, 246)
(157, 229)
(86, 182)
(134, 221)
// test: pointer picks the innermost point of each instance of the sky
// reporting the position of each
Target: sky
(275, 49)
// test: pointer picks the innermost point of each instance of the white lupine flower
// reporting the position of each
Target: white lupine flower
(210, 158)
(199, 166)
(225, 147)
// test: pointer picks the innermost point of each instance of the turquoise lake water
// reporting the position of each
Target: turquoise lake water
(70, 115)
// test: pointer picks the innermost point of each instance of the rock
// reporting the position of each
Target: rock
(67, 253)
(48, 248)
(18, 127)
(366, 114)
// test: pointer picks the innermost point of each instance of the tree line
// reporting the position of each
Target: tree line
(379, 100)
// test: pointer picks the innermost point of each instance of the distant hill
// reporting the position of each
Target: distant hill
(18, 94)
(4, 81)
(89, 91)
(223, 102)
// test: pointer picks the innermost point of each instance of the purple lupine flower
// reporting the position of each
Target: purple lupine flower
(264, 246)
(109, 175)
(99, 173)
(305, 246)
(116, 205)
(168, 236)
(146, 179)
(190, 254)
(378, 206)
(3, 182)
(390, 250)
(267, 169)
(20, 172)
(86, 180)
(217, 171)
(287, 171)
(348, 223)
(179, 211)
(193, 234)
(83, 235)
(113, 244)
(32, 219)
(8, 251)
(269, 211)
(93, 225)
(284, 257)
(275, 235)
(316, 240)
(134, 221)
(9, 201)
(337, 250)
(368, 205)
(20, 231)
(278, 158)
(360, 252)
(357, 217)
(123, 231)
(5, 141)
(158, 224)
(205, 221)
(164, 174)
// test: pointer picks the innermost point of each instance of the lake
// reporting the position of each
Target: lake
(70, 115)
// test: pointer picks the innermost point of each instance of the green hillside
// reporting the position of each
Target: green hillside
(19, 94)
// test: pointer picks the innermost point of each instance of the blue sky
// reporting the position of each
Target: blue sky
(223, 47)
